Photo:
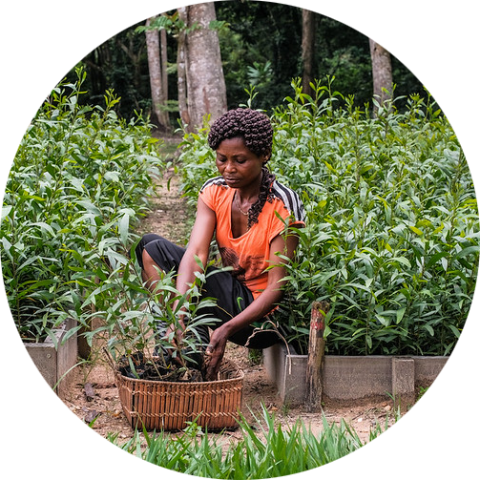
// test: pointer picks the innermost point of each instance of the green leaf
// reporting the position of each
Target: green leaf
(455, 330)
(403, 261)
(435, 258)
(400, 314)
(416, 230)
(45, 226)
(6, 211)
(467, 251)
(123, 228)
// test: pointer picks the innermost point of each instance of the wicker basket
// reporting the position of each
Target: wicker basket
(162, 405)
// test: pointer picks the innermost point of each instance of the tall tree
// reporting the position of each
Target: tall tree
(308, 50)
(157, 73)
(206, 91)
(182, 69)
(381, 72)
(164, 61)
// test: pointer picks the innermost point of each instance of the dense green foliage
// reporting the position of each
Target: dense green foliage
(79, 182)
(79, 185)
(392, 225)
(264, 450)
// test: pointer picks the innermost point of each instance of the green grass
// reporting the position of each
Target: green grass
(264, 451)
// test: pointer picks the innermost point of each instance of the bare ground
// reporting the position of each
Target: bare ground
(93, 395)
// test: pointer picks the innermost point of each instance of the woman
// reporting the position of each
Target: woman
(242, 208)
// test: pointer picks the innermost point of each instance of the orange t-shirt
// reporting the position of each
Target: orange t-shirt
(248, 254)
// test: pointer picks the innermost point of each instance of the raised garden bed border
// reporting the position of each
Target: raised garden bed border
(55, 364)
(352, 378)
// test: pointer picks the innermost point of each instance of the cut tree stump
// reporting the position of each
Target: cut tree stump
(316, 350)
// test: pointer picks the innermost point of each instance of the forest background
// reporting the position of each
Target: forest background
(250, 45)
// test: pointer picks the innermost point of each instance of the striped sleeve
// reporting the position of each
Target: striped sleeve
(213, 181)
(291, 200)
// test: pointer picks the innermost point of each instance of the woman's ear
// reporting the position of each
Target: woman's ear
(266, 158)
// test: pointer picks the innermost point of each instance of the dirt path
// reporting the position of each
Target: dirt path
(94, 396)
(169, 211)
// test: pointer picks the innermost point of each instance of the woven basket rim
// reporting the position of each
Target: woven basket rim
(226, 362)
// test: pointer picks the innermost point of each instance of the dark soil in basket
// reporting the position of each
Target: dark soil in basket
(162, 369)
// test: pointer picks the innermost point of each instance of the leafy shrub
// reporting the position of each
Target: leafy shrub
(79, 182)
(391, 239)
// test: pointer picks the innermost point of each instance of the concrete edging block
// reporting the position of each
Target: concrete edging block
(54, 363)
(348, 378)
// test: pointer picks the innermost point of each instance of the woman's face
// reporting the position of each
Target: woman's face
(238, 166)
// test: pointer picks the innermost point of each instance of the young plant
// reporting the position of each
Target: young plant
(135, 322)
(80, 181)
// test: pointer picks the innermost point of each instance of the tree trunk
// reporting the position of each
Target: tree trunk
(155, 71)
(316, 350)
(206, 91)
(163, 49)
(181, 71)
(382, 72)
(308, 49)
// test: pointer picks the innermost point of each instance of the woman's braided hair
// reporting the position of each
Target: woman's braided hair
(257, 132)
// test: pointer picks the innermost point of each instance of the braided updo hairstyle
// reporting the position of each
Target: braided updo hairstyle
(257, 132)
(252, 125)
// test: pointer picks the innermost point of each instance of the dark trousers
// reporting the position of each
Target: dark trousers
(231, 295)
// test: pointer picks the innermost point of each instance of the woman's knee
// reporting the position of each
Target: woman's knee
(148, 262)
(144, 241)
(150, 270)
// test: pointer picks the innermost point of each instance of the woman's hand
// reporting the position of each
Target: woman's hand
(215, 351)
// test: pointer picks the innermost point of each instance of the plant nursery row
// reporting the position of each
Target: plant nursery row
(80, 183)
(391, 238)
